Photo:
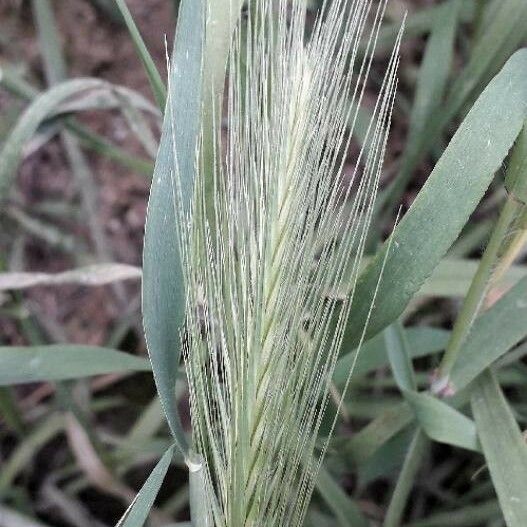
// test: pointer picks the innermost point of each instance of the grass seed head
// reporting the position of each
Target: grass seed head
(263, 334)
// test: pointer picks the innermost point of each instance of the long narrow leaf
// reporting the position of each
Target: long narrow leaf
(92, 275)
(80, 94)
(163, 288)
(431, 83)
(20, 364)
(343, 507)
(158, 87)
(493, 334)
(504, 448)
(137, 513)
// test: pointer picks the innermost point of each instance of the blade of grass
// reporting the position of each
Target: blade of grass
(56, 72)
(20, 364)
(481, 281)
(343, 508)
(92, 275)
(137, 513)
(504, 448)
(399, 357)
(366, 442)
(42, 108)
(443, 206)
(412, 462)
(492, 335)
(431, 83)
(21, 88)
(421, 341)
(163, 287)
(419, 23)
(504, 34)
(443, 423)
(158, 86)
(21, 457)
(476, 292)
(470, 516)
(452, 278)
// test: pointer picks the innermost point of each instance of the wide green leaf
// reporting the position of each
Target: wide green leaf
(504, 448)
(444, 204)
(163, 284)
(19, 364)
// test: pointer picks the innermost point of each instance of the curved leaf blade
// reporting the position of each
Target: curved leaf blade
(163, 284)
(452, 191)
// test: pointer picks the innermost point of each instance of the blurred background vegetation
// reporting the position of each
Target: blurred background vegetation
(74, 452)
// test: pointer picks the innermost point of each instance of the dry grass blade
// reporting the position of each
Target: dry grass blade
(92, 275)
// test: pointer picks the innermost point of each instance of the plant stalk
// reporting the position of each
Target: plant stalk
(513, 249)
(475, 296)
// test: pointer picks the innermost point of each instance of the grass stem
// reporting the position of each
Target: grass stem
(476, 294)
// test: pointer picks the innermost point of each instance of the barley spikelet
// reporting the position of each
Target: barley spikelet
(263, 325)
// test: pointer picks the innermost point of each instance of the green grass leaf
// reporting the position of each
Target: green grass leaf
(366, 442)
(421, 341)
(19, 364)
(504, 448)
(444, 204)
(341, 505)
(137, 513)
(505, 32)
(158, 86)
(163, 287)
(40, 109)
(452, 277)
(493, 334)
(433, 76)
(484, 513)
(21, 457)
(400, 360)
(443, 423)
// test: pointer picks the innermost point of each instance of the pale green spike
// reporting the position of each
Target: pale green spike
(264, 329)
